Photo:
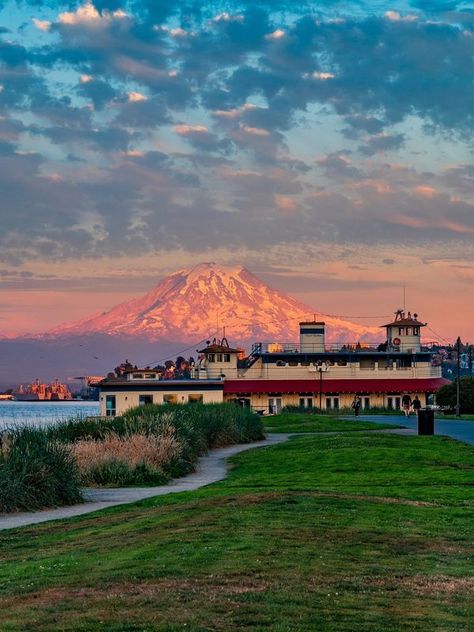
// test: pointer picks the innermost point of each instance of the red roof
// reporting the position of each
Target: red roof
(413, 385)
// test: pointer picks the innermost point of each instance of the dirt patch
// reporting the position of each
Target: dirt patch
(425, 585)
(209, 586)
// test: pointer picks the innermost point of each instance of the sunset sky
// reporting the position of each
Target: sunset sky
(327, 146)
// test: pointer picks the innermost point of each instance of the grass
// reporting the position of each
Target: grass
(148, 445)
(311, 422)
(36, 472)
(349, 532)
(460, 418)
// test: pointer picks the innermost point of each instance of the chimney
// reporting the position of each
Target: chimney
(312, 337)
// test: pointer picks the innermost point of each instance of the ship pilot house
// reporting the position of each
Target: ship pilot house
(309, 373)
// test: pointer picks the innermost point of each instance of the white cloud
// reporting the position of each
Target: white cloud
(278, 34)
(232, 114)
(89, 15)
(184, 130)
(395, 16)
(42, 25)
(135, 97)
(321, 76)
(227, 17)
(255, 131)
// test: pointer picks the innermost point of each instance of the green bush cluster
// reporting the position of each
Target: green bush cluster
(446, 396)
(36, 472)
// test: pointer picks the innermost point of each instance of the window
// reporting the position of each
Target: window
(211, 357)
(416, 331)
(170, 399)
(150, 376)
(332, 403)
(219, 357)
(365, 403)
(408, 331)
(274, 405)
(393, 403)
(110, 406)
(145, 400)
(138, 376)
(195, 399)
(400, 331)
(306, 402)
(226, 357)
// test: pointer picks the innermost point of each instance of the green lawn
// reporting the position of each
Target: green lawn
(301, 422)
(461, 418)
(350, 532)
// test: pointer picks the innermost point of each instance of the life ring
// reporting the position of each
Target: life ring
(396, 342)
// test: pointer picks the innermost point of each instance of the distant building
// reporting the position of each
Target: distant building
(37, 391)
(308, 374)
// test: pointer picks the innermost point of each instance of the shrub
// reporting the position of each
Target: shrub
(115, 459)
(36, 472)
(446, 396)
(146, 445)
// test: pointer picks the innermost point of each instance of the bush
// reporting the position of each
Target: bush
(148, 445)
(36, 472)
(106, 456)
(446, 396)
(121, 460)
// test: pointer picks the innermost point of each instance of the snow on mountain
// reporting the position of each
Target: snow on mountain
(194, 304)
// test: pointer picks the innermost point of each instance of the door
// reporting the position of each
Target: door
(274, 405)
(394, 403)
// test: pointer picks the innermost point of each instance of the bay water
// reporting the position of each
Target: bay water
(44, 413)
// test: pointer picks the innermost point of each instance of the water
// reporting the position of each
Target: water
(43, 413)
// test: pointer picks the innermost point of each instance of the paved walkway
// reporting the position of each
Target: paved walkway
(211, 468)
(454, 428)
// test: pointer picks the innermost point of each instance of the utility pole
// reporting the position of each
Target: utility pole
(458, 380)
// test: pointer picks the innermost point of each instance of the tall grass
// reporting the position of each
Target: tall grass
(152, 444)
(136, 458)
(36, 472)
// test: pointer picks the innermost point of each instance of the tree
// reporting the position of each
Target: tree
(446, 396)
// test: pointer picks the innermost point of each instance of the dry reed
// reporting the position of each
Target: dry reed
(154, 451)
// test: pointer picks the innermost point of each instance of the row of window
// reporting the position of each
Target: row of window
(408, 331)
(275, 404)
(146, 400)
(219, 357)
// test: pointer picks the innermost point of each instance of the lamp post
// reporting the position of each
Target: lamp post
(458, 380)
(322, 368)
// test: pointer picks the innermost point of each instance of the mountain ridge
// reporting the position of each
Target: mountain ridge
(194, 303)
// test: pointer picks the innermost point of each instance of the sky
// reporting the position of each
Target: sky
(327, 146)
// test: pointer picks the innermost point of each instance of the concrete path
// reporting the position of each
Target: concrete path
(210, 468)
(454, 428)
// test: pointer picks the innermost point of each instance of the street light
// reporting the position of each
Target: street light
(458, 380)
(321, 368)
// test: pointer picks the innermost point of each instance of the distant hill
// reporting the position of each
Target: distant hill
(193, 304)
(183, 310)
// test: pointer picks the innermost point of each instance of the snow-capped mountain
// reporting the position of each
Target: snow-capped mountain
(192, 305)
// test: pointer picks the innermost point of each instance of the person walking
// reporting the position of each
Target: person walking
(356, 404)
(406, 403)
(416, 404)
